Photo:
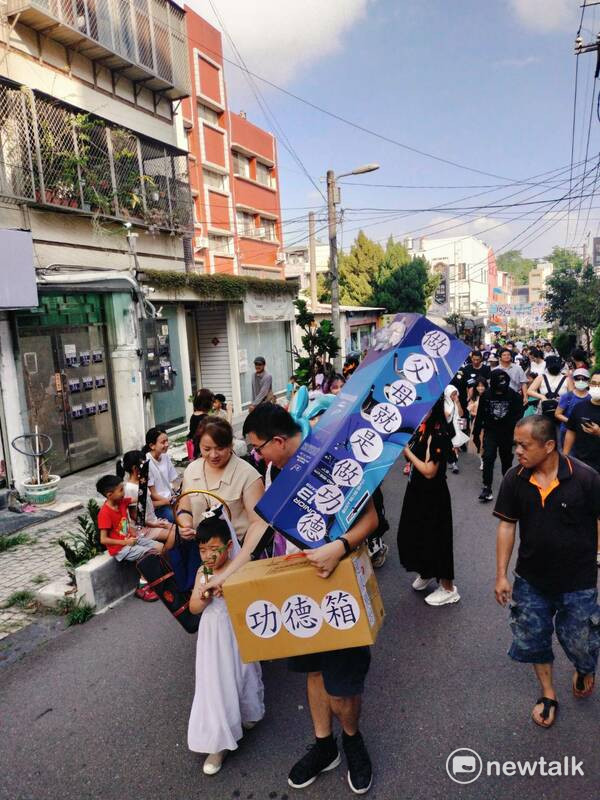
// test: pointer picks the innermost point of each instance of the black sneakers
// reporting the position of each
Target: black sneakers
(360, 772)
(322, 756)
(486, 495)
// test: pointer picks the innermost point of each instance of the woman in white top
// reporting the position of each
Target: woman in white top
(220, 471)
(551, 385)
(537, 365)
(161, 474)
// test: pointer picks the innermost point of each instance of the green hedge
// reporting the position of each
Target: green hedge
(227, 287)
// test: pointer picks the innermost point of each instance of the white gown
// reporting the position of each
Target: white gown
(228, 692)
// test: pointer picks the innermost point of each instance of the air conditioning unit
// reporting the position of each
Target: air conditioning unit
(200, 242)
(280, 256)
(260, 233)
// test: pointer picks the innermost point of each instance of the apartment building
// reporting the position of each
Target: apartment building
(297, 262)
(237, 232)
(470, 264)
(537, 280)
(94, 172)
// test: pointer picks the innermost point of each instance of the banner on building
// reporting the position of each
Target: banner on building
(265, 308)
(528, 315)
(322, 490)
(440, 304)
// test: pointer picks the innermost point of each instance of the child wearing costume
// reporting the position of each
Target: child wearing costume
(229, 694)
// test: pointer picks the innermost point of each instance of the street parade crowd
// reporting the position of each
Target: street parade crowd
(510, 401)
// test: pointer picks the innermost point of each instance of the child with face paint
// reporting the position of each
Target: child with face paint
(229, 695)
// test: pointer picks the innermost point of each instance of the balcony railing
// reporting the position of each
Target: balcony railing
(51, 154)
(143, 39)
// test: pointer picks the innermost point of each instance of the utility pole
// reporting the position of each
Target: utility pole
(333, 263)
(332, 200)
(312, 255)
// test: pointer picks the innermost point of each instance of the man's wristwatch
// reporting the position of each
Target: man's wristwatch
(347, 545)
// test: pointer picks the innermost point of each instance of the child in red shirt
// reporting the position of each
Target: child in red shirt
(117, 533)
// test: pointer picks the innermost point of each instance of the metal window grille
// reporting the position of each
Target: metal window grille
(16, 151)
(149, 33)
(52, 154)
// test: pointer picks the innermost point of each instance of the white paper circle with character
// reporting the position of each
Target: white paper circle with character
(400, 393)
(329, 499)
(340, 610)
(386, 418)
(312, 527)
(263, 619)
(347, 472)
(367, 444)
(418, 368)
(436, 344)
(301, 616)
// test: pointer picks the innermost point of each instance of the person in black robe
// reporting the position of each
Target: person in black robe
(425, 529)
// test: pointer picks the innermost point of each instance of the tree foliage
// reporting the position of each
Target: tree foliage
(512, 261)
(573, 294)
(401, 282)
(318, 341)
(596, 347)
(357, 271)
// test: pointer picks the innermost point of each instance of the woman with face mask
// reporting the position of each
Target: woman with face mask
(549, 387)
(568, 401)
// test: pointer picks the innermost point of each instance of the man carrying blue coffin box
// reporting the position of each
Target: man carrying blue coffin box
(335, 679)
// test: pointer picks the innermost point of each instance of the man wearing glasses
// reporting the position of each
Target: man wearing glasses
(335, 679)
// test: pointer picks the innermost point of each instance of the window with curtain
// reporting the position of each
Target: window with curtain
(241, 165)
(208, 114)
(263, 174)
(215, 180)
(269, 227)
(245, 222)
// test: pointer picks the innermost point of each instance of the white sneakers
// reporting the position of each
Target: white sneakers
(214, 762)
(442, 597)
(420, 584)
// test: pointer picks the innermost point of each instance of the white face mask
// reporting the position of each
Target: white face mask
(581, 385)
(595, 392)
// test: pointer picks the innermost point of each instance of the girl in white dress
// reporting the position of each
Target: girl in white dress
(229, 694)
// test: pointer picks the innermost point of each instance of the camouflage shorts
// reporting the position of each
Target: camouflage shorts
(535, 615)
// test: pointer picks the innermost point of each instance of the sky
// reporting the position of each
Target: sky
(488, 85)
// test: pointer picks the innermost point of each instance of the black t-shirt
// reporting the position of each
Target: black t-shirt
(587, 446)
(559, 535)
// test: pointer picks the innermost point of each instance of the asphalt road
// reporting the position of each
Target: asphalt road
(101, 711)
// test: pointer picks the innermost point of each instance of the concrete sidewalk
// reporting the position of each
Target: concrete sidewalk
(27, 567)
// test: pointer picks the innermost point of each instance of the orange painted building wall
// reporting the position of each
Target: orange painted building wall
(214, 144)
(210, 84)
(217, 212)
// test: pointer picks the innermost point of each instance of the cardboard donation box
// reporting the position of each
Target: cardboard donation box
(280, 607)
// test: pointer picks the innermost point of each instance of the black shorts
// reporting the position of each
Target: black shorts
(344, 671)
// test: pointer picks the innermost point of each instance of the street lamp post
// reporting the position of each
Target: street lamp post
(332, 200)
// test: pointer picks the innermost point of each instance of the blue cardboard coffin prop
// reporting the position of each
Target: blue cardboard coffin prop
(324, 487)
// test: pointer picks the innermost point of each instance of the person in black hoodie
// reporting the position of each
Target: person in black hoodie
(499, 410)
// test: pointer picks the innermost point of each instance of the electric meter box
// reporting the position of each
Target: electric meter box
(157, 369)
